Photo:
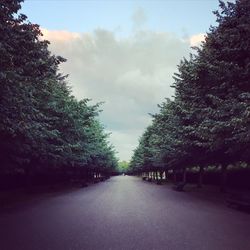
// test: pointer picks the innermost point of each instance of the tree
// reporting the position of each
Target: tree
(43, 127)
(123, 166)
(208, 122)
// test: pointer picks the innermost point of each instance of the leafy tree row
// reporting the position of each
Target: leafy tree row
(123, 167)
(43, 127)
(208, 121)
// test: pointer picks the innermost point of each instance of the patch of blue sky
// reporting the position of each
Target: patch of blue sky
(182, 17)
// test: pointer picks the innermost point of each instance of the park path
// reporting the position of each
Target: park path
(123, 213)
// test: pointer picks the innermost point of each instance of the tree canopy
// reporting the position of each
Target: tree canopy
(43, 127)
(208, 121)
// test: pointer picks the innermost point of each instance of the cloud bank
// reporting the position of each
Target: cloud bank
(131, 75)
(197, 39)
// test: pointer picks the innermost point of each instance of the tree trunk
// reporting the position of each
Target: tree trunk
(175, 176)
(184, 175)
(165, 175)
(28, 173)
(161, 174)
(200, 177)
(28, 177)
(223, 177)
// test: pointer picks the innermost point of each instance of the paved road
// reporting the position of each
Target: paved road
(123, 213)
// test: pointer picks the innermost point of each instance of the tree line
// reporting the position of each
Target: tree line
(207, 123)
(44, 129)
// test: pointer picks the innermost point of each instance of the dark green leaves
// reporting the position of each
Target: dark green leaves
(208, 122)
(40, 120)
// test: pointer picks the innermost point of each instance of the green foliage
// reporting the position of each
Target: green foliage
(208, 122)
(42, 126)
(123, 166)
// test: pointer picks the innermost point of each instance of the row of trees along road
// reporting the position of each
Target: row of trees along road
(208, 121)
(44, 130)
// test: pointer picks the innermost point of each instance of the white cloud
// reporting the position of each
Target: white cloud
(129, 139)
(196, 40)
(131, 75)
(59, 35)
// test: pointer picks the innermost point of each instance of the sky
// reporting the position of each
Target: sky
(123, 53)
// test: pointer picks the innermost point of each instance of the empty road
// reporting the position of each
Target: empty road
(123, 213)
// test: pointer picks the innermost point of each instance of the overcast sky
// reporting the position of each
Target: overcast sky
(123, 53)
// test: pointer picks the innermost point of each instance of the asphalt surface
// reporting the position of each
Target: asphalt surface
(123, 213)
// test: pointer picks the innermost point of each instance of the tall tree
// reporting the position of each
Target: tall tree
(43, 127)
